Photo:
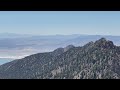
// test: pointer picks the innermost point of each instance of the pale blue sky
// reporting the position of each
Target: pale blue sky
(60, 22)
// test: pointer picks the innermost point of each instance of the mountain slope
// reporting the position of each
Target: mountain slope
(95, 60)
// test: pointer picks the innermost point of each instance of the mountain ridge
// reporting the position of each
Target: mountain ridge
(28, 45)
(94, 60)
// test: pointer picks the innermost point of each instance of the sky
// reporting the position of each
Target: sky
(60, 22)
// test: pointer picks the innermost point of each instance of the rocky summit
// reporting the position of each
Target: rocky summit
(95, 60)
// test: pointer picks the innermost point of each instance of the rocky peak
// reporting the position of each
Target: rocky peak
(59, 51)
(103, 43)
(68, 47)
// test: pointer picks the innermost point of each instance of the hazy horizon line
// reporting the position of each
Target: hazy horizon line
(57, 34)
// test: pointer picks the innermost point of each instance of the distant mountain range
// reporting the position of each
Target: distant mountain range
(24, 45)
(95, 60)
(13, 35)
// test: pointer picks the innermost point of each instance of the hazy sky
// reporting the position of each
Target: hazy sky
(60, 22)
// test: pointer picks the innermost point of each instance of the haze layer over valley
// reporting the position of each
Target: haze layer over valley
(16, 46)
